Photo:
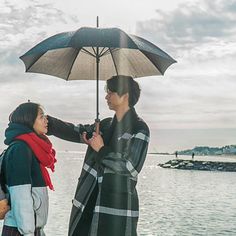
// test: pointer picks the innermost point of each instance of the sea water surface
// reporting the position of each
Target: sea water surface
(172, 202)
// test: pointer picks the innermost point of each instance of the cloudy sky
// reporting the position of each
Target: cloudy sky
(192, 104)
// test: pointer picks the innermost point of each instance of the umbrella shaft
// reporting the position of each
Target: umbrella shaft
(97, 74)
(97, 120)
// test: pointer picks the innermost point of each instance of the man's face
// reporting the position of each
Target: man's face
(114, 101)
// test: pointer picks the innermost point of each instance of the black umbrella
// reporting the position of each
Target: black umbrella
(92, 53)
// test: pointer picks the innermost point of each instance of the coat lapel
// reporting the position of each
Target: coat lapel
(119, 131)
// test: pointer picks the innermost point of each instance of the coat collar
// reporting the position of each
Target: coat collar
(126, 124)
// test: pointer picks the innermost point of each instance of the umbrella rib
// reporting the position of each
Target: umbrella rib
(95, 53)
(155, 64)
(88, 52)
(67, 78)
(101, 53)
(32, 63)
(112, 50)
(143, 52)
(105, 53)
(113, 60)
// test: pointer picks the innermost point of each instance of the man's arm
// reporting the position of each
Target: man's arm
(68, 131)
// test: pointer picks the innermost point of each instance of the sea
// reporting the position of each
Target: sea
(172, 202)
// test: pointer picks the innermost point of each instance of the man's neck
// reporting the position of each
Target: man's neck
(121, 112)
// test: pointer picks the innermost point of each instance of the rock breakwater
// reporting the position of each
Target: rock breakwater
(199, 165)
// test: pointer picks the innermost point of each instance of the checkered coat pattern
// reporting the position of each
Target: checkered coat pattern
(115, 169)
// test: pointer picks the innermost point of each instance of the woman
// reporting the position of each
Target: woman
(106, 200)
(25, 171)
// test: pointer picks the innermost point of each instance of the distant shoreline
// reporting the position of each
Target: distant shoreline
(204, 151)
(160, 153)
(189, 155)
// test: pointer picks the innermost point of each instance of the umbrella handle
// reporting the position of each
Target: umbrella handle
(97, 126)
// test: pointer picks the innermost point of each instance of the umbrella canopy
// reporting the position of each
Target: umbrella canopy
(92, 53)
(74, 55)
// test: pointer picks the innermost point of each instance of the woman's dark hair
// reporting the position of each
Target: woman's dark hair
(25, 114)
(122, 84)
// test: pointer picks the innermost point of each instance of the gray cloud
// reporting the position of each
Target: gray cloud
(182, 102)
(22, 27)
(198, 91)
(191, 24)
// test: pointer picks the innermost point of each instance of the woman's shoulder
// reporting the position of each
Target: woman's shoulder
(19, 148)
(18, 144)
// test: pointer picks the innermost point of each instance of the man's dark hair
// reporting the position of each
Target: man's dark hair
(122, 84)
(25, 114)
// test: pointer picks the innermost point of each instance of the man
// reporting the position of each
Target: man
(106, 200)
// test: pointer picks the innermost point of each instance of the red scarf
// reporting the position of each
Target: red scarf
(42, 148)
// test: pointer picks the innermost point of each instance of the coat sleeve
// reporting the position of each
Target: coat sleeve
(66, 130)
(19, 183)
(129, 162)
(2, 194)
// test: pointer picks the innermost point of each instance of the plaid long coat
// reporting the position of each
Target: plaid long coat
(114, 169)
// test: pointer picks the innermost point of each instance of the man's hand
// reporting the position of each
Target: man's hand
(96, 142)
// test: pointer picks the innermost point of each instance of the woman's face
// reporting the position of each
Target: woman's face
(41, 123)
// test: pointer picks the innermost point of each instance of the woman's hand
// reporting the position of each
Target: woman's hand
(96, 142)
(4, 208)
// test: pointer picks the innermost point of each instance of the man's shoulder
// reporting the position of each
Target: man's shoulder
(106, 121)
(141, 125)
(105, 124)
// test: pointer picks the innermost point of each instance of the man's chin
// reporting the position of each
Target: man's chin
(110, 108)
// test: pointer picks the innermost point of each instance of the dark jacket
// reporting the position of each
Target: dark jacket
(114, 169)
(25, 184)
